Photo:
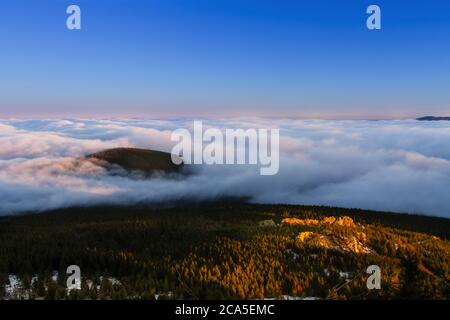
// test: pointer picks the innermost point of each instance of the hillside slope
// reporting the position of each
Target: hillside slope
(223, 251)
(147, 161)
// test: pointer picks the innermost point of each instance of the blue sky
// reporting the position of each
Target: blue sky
(224, 58)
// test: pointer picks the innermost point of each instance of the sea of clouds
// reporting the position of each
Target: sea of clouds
(399, 165)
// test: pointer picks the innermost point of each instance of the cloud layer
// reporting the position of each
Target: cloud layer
(382, 165)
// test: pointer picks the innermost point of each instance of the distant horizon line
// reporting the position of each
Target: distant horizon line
(206, 117)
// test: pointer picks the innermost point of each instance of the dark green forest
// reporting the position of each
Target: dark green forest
(223, 251)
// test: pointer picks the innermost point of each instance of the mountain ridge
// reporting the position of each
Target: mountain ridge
(433, 118)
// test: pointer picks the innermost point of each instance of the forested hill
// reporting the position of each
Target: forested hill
(133, 159)
(224, 251)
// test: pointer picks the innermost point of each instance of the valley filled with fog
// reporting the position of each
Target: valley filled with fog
(401, 165)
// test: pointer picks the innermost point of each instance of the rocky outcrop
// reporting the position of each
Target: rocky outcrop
(344, 221)
(267, 223)
(301, 222)
(313, 239)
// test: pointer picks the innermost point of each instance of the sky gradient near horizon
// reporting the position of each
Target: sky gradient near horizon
(224, 58)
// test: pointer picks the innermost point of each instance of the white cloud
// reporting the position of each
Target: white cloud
(384, 165)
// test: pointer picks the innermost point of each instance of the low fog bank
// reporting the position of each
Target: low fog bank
(401, 166)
